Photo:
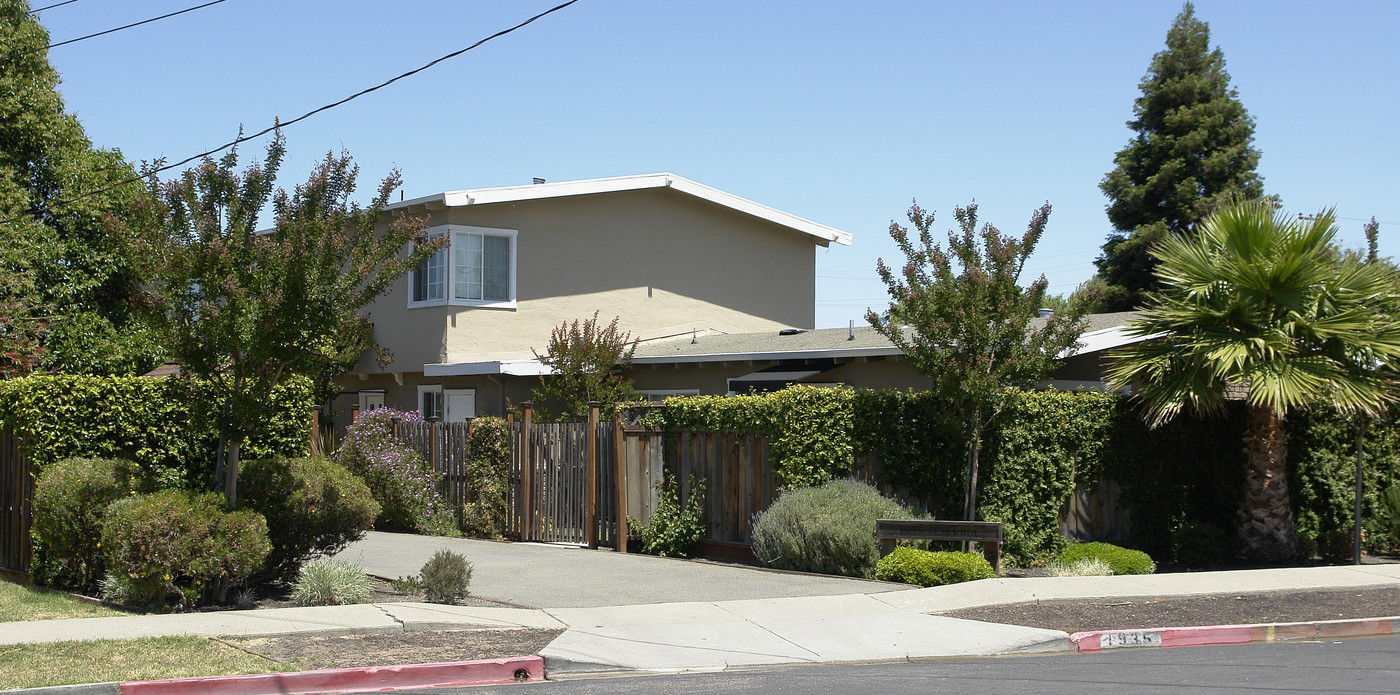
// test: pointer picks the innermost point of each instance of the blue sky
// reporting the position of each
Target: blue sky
(838, 112)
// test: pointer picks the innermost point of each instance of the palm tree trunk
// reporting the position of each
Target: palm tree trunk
(1266, 522)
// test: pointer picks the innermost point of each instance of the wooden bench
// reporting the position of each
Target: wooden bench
(988, 533)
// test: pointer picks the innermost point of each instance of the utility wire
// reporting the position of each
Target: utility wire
(50, 7)
(109, 31)
(280, 125)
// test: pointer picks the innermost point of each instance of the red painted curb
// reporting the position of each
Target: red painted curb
(1232, 634)
(344, 680)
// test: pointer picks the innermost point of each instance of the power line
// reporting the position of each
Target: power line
(279, 125)
(109, 31)
(50, 7)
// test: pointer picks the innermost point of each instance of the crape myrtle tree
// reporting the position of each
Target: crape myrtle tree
(80, 282)
(243, 308)
(586, 360)
(1264, 307)
(1193, 147)
(965, 322)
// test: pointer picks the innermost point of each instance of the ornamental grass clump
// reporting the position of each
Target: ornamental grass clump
(400, 480)
(828, 529)
(1120, 560)
(445, 577)
(925, 568)
(331, 582)
(1088, 567)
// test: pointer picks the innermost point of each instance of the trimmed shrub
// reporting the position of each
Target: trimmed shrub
(483, 511)
(936, 568)
(445, 577)
(313, 507)
(330, 582)
(674, 529)
(1120, 560)
(70, 501)
(828, 529)
(398, 478)
(181, 544)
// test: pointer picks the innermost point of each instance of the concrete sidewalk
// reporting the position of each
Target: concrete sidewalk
(711, 635)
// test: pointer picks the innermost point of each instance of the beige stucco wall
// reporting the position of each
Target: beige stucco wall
(657, 259)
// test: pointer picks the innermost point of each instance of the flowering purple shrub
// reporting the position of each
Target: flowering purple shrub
(400, 480)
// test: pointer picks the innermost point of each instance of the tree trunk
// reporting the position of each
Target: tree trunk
(1266, 530)
(974, 450)
(231, 470)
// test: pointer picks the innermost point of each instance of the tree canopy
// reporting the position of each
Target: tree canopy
(243, 307)
(82, 283)
(1193, 148)
(963, 319)
(1263, 307)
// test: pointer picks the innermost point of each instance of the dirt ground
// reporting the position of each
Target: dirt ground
(1303, 606)
(417, 647)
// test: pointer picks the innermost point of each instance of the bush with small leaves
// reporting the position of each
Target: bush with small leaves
(70, 501)
(674, 529)
(828, 529)
(313, 507)
(331, 582)
(400, 480)
(445, 577)
(936, 568)
(176, 543)
(1120, 560)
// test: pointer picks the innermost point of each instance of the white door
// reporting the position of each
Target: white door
(371, 400)
(461, 405)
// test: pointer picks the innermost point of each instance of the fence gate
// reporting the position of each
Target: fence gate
(16, 506)
(550, 497)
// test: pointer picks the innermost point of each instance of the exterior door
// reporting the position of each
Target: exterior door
(461, 405)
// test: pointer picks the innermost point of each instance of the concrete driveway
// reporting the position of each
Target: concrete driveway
(535, 575)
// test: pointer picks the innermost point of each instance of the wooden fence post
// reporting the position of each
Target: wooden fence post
(315, 441)
(620, 471)
(527, 476)
(434, 452)
(590, 515)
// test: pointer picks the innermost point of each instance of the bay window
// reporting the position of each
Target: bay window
(476, 268)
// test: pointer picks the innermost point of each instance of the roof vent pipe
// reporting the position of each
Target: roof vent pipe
(852, 335)
(692, 336)
(1046, 313)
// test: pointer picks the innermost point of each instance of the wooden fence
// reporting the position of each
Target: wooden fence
(737, 475)
(16, 507)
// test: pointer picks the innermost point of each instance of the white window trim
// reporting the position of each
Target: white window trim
(450, 269)
(431, 388)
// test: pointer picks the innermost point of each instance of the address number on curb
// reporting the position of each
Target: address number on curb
(1144, 638)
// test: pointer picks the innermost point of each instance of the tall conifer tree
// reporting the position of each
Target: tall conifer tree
(1194, 147)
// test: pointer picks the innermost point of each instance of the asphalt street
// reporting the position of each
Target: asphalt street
(1345, 666)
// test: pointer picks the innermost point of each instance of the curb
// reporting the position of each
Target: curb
(1232, 634)
(347, 680)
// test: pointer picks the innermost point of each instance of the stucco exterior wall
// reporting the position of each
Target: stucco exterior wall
(659, 260)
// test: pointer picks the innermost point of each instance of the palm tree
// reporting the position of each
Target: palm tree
(1262, 307)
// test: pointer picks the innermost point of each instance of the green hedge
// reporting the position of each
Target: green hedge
(166, 425)
(1120, 560)
(1322, 473)
(936, 568)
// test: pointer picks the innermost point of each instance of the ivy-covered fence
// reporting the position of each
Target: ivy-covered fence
(1180, 482)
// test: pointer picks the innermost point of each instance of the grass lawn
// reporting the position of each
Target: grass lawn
(102, 661)
(22, 603)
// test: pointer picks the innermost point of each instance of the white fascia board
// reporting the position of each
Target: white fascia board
(767, 356)
(489, 368)
(536, 191)
(1107, 339)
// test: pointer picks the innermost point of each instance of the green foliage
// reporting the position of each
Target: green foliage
(398, 478)
(1322, 467)
(165, 425)
(1198, 544)
(79, 305)
(674, 528)
(809, 428)
(1193, 147)
(1386, 527)
(409, 586)
(483, 512)
(936, 568)
(964, 321)
(331, 582)
(70, 503)
(587, 361)
(445, 577)
(21, 328)
(174, 543)
(313, 507)
(245, 309)
(828, 529)
(1121, 560)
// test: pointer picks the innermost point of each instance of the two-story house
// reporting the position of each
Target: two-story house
(668, 256)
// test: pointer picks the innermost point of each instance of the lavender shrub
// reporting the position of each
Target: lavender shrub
(400, 480)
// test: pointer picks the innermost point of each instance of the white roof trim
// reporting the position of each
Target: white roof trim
(494, 367)
(883, 351)
(1106, 339)
(536, 191)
